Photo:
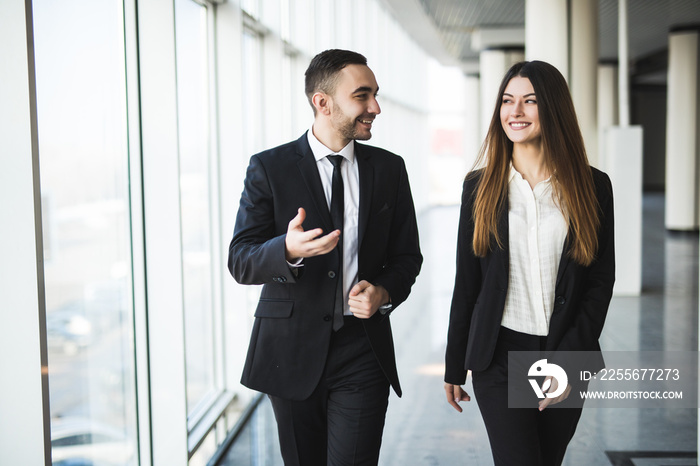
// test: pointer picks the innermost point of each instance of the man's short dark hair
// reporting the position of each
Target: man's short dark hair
(322, 73)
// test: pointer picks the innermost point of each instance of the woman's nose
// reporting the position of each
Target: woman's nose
(517, 108)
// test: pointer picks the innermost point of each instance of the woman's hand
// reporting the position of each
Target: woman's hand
(552, 388)
(455, 394)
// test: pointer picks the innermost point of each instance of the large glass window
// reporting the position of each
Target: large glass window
(252, 104)
(194, 129)
(287, 100)
(84, 161)
(252, 7)
(252, 92)
(302, 25)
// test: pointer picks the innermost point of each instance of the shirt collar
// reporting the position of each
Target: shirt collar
(513, 173)
(320, 151)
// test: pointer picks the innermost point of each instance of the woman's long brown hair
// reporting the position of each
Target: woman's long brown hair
(564, 156)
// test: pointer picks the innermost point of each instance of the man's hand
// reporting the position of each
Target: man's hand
(365, 299)
(300, 243)
(455, 394)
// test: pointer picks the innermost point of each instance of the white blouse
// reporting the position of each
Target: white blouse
(537, 229)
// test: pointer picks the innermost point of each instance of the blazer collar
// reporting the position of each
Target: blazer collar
(564, 261)
(504, 253)
(366, 170)
(312, 180)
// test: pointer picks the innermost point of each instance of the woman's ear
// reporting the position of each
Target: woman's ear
(322, 103)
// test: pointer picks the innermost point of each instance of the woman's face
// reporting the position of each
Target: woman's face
(519, 116)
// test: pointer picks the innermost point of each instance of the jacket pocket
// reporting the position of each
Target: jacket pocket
(275, 309)
(384, 210)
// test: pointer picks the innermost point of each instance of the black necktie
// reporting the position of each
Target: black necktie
(337, 215)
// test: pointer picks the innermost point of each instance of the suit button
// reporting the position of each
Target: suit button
(327, 318)
(280, 279)
(560, 300)
(331, 274)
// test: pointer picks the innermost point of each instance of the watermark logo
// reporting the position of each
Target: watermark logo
(616, 379)
(543, 368)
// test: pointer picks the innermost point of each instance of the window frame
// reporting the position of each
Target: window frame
(25, 402)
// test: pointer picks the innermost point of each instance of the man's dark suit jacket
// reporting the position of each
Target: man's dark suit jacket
(582, 294)
(293, 321)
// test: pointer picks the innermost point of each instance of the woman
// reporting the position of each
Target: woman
(535, 262)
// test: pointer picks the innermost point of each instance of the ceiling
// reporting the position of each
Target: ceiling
(445, 27)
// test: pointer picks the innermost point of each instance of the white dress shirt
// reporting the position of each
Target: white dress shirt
(351, 185)
(537, 230)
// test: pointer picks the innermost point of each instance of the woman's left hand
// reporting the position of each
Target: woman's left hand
(552, 388)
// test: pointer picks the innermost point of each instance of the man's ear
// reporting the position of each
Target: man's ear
(322, 103)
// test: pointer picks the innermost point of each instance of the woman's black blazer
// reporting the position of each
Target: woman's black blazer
(582, 294)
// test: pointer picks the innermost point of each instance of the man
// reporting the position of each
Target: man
(335, 243)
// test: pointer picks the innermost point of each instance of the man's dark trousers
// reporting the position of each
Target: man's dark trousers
(351, 380)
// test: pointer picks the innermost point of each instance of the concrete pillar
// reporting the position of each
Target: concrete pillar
(623, 62)
(624, 166)
(547, 33)
(583, 80)
(623, 159)
(607, 107)
(565, 34)
(493, 65)
(472, 130)
(682, 131)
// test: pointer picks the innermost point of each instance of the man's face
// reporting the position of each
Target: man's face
(355, 103)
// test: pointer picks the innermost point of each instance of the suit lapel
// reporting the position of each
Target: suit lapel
(564, 261)
(504, 232)
(366, 171)
(309, 173)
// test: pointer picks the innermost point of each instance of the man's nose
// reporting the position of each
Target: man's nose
(374, 107)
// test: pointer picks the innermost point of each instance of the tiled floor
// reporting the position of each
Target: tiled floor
(422, 429)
